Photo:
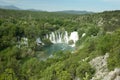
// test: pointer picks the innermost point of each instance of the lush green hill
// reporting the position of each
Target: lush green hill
(24, 63)
(75, 12)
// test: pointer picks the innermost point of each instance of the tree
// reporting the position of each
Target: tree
(83, 69)
(8, 75)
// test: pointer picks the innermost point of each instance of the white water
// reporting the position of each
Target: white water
(83, 34)
(58, 37)
(38, 41)
(63, 37)
(74, 36)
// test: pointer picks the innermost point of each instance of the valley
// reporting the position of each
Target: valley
(38, 45)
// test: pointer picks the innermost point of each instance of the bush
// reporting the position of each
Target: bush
(83, 69)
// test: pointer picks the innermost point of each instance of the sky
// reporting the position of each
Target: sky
(59, 5)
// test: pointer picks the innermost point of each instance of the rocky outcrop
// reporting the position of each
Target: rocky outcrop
(113, 75)
(100, 64)
(102, 73)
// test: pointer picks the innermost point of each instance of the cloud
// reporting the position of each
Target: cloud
(111, 0)
(10, 1)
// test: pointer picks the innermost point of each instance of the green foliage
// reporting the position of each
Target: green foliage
(31, 68)
(114, 57)
(93, 31)
(23, 63)
(47, 42)
(85, 71)
(8, 75)
(105, 43)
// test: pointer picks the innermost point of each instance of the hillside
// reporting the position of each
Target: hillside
(59, 46)
(10, 7)
(75, 12)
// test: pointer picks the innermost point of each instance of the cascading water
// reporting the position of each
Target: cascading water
(60, 40)
(58, 37)
(39, 42)
(74, 37)
(66, 38)
(62, 37)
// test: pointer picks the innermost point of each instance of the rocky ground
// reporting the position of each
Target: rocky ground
(102, 73)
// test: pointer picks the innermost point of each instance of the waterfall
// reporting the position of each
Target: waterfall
(39, 42)
(74, 36)
(66, 38)
(63, 37)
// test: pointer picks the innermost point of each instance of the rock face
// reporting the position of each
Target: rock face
(113, 75)
(100, 64)
(102, 73)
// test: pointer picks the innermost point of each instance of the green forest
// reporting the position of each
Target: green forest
(30, 62)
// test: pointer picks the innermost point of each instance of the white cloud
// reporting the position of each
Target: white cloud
(10, 1)
(111, 0)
